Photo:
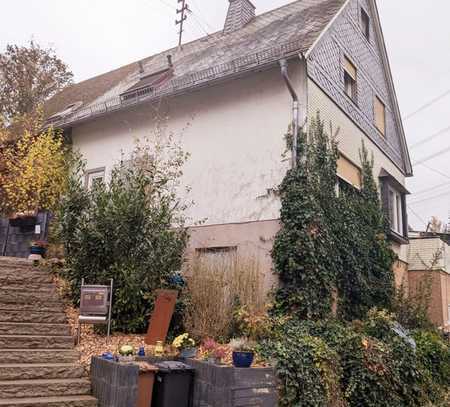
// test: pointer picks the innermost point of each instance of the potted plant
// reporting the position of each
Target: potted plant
(220, 353)
(209, 348)
(126, 353)
(243, 353)
(39, 247)
(185, 345)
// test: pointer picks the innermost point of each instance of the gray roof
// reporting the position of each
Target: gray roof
(282, 32)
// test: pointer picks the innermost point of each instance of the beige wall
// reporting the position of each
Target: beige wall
(350, 139)
(253, 240)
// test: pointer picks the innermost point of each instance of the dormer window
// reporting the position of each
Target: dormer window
(147, 85)
(365, 24)
(350, 76)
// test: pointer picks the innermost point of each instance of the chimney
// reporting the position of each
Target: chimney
(240, 12)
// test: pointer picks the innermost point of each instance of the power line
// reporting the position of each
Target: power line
(430, 198)
(163, 2)
(417, 215)
(427, 105)
(197, 22)
(432, 137)
(430, 157)
(201, 16)
(435, 170)
(432, 188)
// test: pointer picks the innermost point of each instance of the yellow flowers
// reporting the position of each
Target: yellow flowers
(183, 342)
(33, 171)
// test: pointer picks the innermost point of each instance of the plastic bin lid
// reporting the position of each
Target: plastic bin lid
(173, 366)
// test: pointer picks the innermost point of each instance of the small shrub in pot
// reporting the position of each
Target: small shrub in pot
(243, 352)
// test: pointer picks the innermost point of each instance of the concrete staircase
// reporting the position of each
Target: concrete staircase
(38, 364)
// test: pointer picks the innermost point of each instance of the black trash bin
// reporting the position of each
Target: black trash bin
(174, 384)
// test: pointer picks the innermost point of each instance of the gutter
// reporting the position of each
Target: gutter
(295, 109)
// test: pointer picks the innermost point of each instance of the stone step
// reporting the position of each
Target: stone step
(38, 356)
(44, 388)
(15, 261)
(49, 288)
(12, 328)
(56, 307)
(24, 279)
(25, 296)
(70, 401)
(33, 316)
(35, 342)
(41, 371)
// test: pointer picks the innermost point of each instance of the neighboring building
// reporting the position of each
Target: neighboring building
(229, 87)
(429, 272)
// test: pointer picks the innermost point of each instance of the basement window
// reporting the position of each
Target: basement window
(365, 24)
(350, 76)
(380, 115)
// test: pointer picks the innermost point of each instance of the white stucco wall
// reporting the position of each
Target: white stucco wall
(235, 138)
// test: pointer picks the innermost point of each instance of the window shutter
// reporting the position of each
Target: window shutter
(380, 115)
(350, 68)
(349, 172)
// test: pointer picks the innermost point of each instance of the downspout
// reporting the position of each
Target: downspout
(295, 109)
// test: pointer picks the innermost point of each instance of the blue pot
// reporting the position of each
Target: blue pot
(38, 250)
(243, 359)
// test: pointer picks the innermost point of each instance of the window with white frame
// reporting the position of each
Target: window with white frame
(95, 177)
(396, 215)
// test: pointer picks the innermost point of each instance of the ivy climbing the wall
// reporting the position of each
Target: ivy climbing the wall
(332, 246)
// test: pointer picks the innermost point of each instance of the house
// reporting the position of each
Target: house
(238, 89)
(429, 273)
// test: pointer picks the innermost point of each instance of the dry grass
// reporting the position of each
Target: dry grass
(216, 284)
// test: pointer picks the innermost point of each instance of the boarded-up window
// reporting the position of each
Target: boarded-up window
(380, 115)
(349, 172)
(350, 76)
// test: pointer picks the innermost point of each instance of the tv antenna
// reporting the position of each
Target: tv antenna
(180, 22)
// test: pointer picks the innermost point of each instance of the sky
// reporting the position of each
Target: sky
(95, 36)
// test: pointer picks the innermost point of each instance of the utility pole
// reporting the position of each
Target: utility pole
(180, 22)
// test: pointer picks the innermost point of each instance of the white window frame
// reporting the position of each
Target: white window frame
(396, 214)
(94, 175)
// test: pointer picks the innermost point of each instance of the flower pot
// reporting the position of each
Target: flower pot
(243, 359)
(188, 353)
(38, 250)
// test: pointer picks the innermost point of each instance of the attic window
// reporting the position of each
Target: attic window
(365, 24)
(350, 76)
(147, 84)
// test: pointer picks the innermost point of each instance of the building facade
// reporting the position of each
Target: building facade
(226, 101)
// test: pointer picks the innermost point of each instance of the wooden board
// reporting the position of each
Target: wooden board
(161, 317)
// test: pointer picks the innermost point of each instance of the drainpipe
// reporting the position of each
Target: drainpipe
(295, 108)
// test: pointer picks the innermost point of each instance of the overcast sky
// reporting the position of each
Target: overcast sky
(95, 36)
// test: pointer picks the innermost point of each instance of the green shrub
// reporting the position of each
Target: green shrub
(308, 369)
(434, 354)
(129, 229)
